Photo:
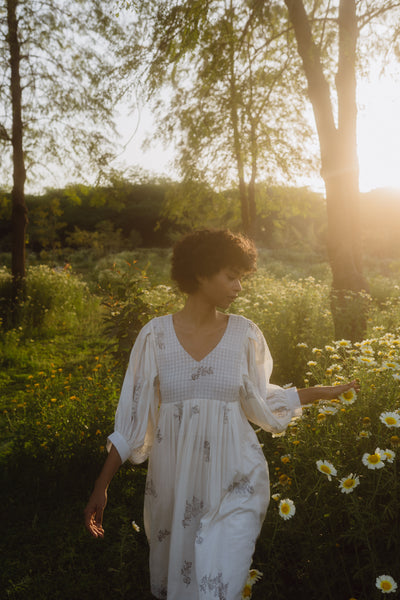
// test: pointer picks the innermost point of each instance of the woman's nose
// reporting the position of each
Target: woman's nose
(237, 285)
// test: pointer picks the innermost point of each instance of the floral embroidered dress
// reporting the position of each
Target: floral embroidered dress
(207, 488)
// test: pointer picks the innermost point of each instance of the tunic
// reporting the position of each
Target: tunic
(207, 487)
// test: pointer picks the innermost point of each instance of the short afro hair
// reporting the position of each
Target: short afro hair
(204, 252)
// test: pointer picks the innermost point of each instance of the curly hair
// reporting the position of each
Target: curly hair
(205, 252)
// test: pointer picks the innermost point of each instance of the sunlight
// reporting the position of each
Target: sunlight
(379, 133)
(378, 138)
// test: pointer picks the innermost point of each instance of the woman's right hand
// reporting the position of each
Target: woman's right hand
(94, 512)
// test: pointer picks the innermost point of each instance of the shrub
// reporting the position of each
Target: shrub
(340, 538)
(293, 315)
(54, 297)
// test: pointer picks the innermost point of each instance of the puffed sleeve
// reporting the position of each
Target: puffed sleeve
(136, 414)
(265, 404)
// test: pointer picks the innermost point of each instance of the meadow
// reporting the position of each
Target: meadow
(332, 526)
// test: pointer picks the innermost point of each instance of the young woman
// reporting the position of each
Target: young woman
(194, 381)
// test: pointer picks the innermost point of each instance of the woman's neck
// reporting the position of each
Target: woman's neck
(198, 313)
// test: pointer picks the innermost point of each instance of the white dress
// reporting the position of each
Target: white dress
(207, 486)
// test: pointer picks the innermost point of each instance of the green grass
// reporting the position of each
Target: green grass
(59, 385)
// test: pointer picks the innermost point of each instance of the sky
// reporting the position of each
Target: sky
(378, 137)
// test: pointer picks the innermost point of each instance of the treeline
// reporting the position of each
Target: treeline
(126, 216)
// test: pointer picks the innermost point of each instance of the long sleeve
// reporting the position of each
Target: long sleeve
(265, 404)
(136, 413)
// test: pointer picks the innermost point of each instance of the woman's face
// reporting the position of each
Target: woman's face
(222, 288)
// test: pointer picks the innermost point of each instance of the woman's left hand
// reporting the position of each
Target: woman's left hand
(326, 392)
(333, 391)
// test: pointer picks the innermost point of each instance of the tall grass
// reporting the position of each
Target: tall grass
(59, 385)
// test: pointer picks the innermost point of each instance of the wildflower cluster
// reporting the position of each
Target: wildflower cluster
(352, 442)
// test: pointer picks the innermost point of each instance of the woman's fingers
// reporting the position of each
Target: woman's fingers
(93, 520)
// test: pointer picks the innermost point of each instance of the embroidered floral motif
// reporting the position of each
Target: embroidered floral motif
(178, 412)
(186, 572)
(206, 451)
(159, 335)
(150, 490)
(227, 410)
(242, 487)
(195, 410)
(160, 591)
(202, 371)
(215, 585)
(199, 539)
(192, 510)
(257, 448)
(159, 436)
(162, 534)
(137, 388)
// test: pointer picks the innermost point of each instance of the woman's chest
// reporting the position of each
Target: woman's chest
(217, 376)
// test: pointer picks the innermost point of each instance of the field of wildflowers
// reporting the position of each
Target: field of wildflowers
(332, 527)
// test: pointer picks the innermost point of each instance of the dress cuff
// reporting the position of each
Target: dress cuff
(121, 445)
(294, 401)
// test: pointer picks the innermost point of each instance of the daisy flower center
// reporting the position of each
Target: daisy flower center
(374, 458)
(386, 585)
(348, 483)
(325, 469)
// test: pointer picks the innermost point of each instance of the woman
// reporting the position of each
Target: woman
(194, 380)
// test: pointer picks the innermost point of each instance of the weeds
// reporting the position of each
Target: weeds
(323, 538)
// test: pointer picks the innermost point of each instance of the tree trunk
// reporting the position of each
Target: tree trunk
(19, 210)
(339, 164)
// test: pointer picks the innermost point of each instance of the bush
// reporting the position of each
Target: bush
(54, 297)
(340, 538)
(58, 400)
(293, 315)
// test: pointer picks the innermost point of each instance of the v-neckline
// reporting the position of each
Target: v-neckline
(208, 353)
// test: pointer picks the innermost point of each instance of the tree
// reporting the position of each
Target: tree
(229, 68)
(59, 62)
(336, 27)
(220, 62)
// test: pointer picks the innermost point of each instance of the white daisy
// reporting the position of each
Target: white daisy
(135, 526)
(348, 397)
(389, 455)
(364, 434)
(386, 584)
(343, 343)
(347, 484)
(254, 576)
(366, 360)
(390, 365)
(390, 419)
(374, 461)
(328, 410)
(286, 509)
(326, 467)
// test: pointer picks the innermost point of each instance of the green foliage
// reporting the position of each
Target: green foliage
(130, 301)
(54, 297)
(192, 204)
(289, 313)
(337, 543)
(230, 118)
(103, 240)
(69, 82)
(58, 392)
(290, 217)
